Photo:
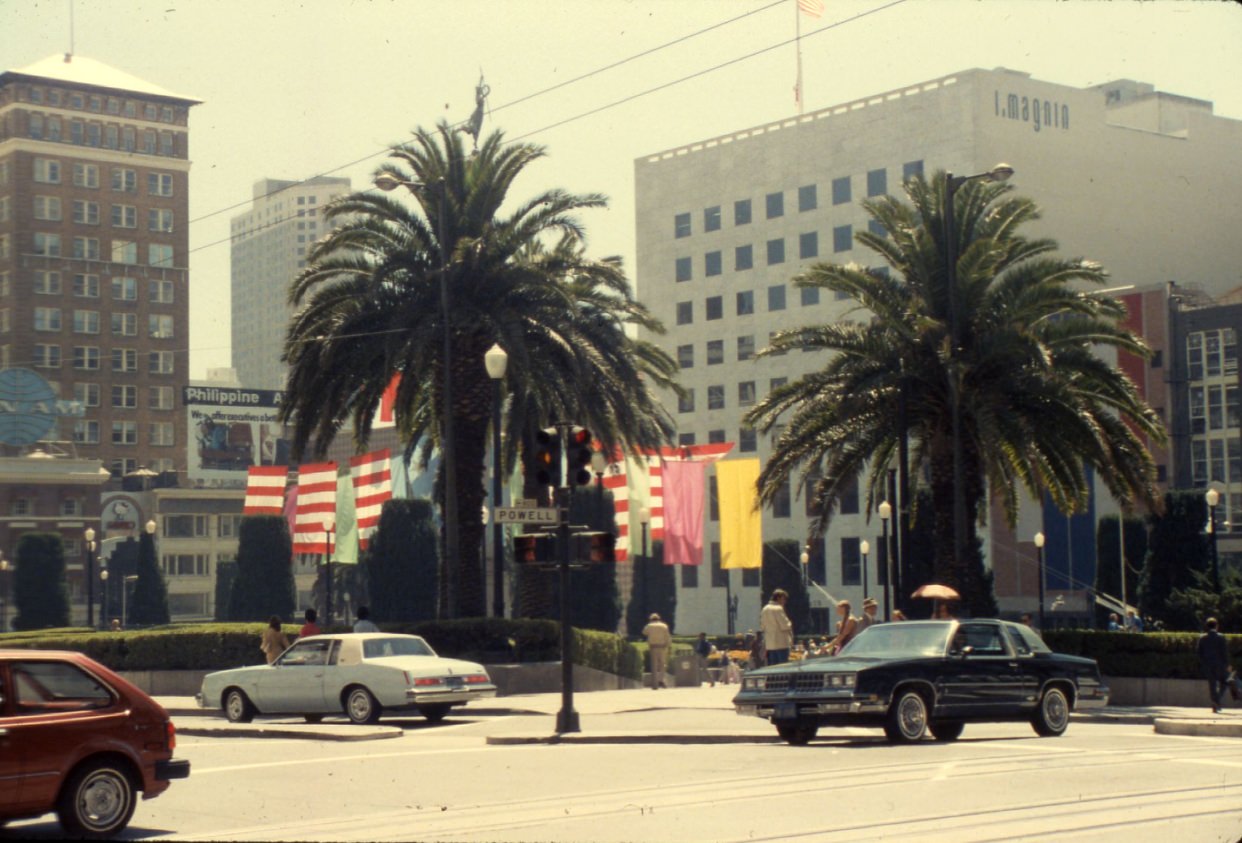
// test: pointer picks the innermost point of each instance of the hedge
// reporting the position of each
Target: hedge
(219, 646)
(1162, 655)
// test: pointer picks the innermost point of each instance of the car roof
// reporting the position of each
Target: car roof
(356, 636)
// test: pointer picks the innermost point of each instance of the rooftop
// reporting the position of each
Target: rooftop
(79, 70)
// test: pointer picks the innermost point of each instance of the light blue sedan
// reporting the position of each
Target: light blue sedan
(361, 674)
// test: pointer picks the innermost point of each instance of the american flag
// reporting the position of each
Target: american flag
(814, 8)
(265, 490)
(316, 508)
(372, 474)
(614, 480)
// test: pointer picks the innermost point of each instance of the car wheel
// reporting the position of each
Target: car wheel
(313, 718)
(237, 706)
(1052, 716)
(361, 706)
(946, 730)
(97, 801)
(907, 718)
(434, 713)
(797, 734)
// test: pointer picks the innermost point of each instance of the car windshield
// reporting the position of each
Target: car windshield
(378, 648)
(907, 639)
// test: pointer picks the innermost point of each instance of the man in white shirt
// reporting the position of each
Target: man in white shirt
(658, 641)
(777, 628)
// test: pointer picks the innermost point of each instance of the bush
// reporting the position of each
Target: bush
(1162, 655)
(39, 590)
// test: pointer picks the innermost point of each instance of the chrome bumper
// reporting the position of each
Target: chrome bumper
(1090, 700)
(453, 695)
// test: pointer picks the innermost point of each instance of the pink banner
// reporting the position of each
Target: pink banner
(684, 494)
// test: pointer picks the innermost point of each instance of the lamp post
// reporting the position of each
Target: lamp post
(1039, 550)
(1213, 498)
(644, 519)
(103, 598)
(388, 182)
(4, 593)
(497, 362)
(886, 512)
(805, 559)
(126, 580)
(90, 577)
(999, 173)
(328, 527)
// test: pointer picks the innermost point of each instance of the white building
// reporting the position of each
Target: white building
(1147, 183)
(269, 245)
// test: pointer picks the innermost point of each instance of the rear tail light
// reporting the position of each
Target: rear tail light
(423, 683)
(172, 735)
(477, 679)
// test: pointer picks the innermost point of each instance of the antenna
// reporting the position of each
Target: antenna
(69, 55)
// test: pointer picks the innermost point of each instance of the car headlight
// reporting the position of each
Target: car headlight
(753, 683)
(841, 680)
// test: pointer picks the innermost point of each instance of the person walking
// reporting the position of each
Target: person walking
(658, 641)
(776, 627)
(364, 622)
(847, 628)
(702, 651)
(870, 607)
(274, 640)
(1214, 661)
(310, 627)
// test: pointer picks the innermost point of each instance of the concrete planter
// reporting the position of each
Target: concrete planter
(1135, 690)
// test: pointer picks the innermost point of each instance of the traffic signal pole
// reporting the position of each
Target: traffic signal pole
(566, 718)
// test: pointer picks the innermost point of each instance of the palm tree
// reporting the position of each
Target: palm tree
(369, 306)
(1037, 404)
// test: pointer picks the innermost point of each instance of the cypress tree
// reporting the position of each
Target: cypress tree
(264, 585)
(148, 604)
(39, 589)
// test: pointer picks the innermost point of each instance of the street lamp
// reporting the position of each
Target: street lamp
(999, 173)
(103, 599)
(1039, 550)
(886, 512)
(90, 577)
(328, 527)
(1213, 498)
(126, 580)
(865, 547)
(4, 588)
(644, 519)
(805, 559)
(497, 362)
(388, 182)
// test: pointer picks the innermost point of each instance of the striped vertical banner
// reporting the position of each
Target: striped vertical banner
(265, 490)
(316, 507)
(372, 475)
(655, 494)
(616, 482)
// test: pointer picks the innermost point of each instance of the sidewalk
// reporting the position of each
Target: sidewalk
(669, 715)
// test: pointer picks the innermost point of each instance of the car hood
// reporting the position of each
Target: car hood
(831, 664)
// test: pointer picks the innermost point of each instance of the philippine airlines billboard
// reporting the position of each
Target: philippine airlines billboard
(231, 429)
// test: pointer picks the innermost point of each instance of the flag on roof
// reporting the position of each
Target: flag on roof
(265, 490)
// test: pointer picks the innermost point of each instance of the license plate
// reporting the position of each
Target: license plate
(786, 711)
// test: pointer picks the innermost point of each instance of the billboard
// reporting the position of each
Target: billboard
(231, 429)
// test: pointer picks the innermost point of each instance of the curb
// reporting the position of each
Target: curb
(646, 738)
(309, 732)
(1198, 728)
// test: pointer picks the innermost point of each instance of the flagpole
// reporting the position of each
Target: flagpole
(798, 43)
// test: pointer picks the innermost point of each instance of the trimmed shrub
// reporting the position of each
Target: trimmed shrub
(1162, 655)
(39, 590)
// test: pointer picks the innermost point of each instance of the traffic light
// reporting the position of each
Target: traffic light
(579, 456)
(547, 461)
(534, 547)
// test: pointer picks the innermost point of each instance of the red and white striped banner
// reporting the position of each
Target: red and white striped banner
(655, 496)
(265, 490)
(615, 481)
(386, 415)
(316, 509)
(372, 474)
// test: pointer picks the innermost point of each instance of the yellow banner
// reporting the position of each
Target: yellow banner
(741, 524)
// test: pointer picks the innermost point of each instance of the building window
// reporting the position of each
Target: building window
(877, 182)
(911, 169)
(161, 433)
(148, 141)
(124, 396)
(86, 359)
(46, 356)
(160, 184)
(85, 213)
(160, 327)
(86, 248)
(715, 397)
(689, 576)
(86, 286)
(842, 238)
(160, 292)
(877, 228)
(851, 562)
(160, 397)
(685, 313)
(715, 307)
(86, 432)
(47, 282)
(47, 318)
(161, 363)
(124, 180)
(776, 297)
(841, 192)
(745, 302)
(712, 264)
(746, 347)
(711, 219)
(86, 321)
(743, 257)
(87, 393)
(775, 204)
(47, 171)
(810, 296)
(70, 507)
(124, 433)
(685, 439)
(681, 225)
(781, 501)
(776, 251)
(681, 269)
(124, 251)
(124, 360)
(747, 441)
(746, 394)
(48, 208)
(741, 212)
(808, 244)
(715, 437)
(685, 356)
(808, 199)
(124, 289)
(160, 219)
(685, 401)
(159, 254)
(47, 245)
(125, 324)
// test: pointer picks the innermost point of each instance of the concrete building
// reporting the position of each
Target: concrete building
(1121, 171)
(94, 286)
(269, 245)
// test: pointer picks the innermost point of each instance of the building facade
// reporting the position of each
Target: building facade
(724, 224)
(269, 245)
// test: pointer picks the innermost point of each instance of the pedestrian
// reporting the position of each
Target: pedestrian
(310, 627)
(658, 640)
(899, 615)
(1214, 661)
(1114, 622)
(758, 652)
(274, 640)
(870, 607)
(702, 650)
(847, 627)
(364, 622)
(1133, 622)
(776, 627)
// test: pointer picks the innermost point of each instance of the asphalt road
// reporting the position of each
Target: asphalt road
(623, 781)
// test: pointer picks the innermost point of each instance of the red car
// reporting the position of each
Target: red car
(79, 740)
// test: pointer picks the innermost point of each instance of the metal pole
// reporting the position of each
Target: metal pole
(90, 583)
(1215, 558)
(864, 571)
(446, 435)
(566, 718)
(950, 254)
(1039, 549)
(327, 556)
(888, 570)
(901, 584)
(645, 574)
(1121, 534)
(498, 531)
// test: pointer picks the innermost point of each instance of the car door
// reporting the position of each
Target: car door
(981, 674)
(10, 762)
(295, 681)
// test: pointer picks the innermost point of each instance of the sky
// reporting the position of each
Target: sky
(297, 88)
